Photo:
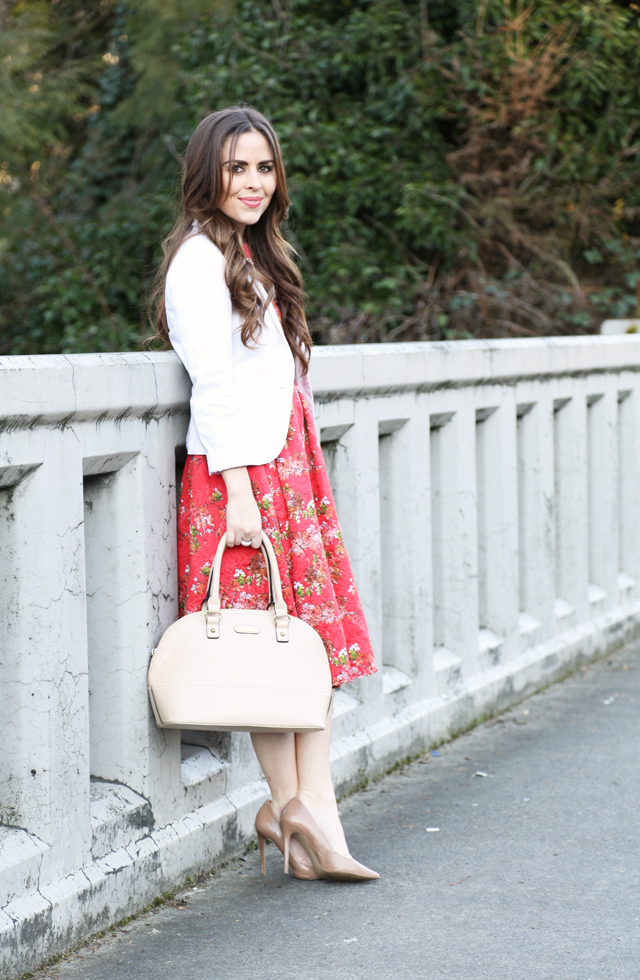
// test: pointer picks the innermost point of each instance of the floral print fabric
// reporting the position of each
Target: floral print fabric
(299, 516)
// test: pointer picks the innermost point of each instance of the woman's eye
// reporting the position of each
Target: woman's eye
(266, 168)
(237, 169)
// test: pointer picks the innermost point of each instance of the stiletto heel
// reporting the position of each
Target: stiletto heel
(261, 840)
(268, 828)
(296, 821)
(286, 855)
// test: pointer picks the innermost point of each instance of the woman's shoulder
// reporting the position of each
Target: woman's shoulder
(197, 254)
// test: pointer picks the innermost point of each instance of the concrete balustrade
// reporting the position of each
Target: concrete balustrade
(488, 493)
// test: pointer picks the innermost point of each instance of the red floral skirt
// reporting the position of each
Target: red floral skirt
(299, 516)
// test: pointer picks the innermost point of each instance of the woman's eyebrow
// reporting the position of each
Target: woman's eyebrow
(243, 163)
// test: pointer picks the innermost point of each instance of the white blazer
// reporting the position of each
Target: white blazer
(241, 396)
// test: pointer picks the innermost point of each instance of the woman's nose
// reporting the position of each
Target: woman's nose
(253, 179)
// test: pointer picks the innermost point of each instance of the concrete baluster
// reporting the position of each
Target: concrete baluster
(405, 536)
(497, 496)
(454, 532)
(628, 531)
(571, 511)
(536, 516)
(355, 481)
(602, 439)
(130, 553)
(158, 499)
(45, 756)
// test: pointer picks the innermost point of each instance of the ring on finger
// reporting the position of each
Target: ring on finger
(246, 543)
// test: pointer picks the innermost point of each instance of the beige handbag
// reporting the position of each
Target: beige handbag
(242, 670)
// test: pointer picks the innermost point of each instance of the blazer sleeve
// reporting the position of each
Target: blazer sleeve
(199, 315)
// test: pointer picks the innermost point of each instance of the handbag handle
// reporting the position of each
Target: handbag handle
(211, 586)
(213, 605)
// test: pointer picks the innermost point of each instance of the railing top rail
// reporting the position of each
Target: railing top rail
(362, 370)
(55, 388)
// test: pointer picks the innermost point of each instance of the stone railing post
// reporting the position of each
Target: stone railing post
(44, 764)
(536, 516)
(628, 529)
(405, 534)
(497, 507)
(603, 495)
(455, 532)
(572, 508)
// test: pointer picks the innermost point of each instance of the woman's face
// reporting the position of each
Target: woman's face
(249, 180)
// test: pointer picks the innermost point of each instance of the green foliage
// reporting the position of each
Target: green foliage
(456, 169)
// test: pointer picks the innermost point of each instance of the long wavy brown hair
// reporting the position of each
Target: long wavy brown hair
(273, 264)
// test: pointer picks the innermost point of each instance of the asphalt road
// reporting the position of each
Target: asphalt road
(532, 873)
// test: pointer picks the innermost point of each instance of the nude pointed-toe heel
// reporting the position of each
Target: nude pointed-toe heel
(268, 828)
(261, 842)
(296, 821)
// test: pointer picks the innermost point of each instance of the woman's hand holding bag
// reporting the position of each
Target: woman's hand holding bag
(244, 522)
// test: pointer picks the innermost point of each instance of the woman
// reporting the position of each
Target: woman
(230, 301)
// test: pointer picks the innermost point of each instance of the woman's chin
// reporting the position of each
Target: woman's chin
(252, 218)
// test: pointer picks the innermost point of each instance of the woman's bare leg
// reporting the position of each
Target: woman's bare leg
(299, 765)
(277, 757)
(315, 785)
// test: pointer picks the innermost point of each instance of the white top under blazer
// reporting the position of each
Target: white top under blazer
(241, 396)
